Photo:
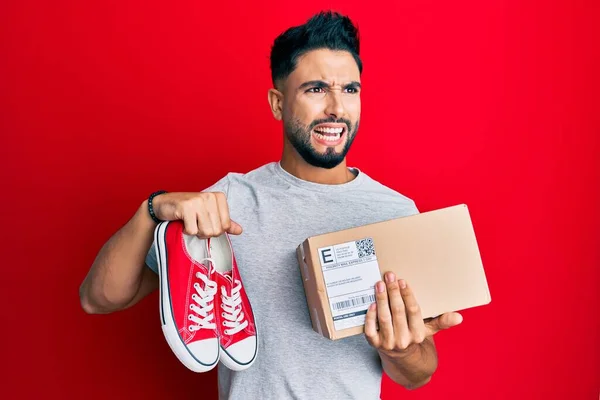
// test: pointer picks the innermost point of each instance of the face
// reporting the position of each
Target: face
(320, 106)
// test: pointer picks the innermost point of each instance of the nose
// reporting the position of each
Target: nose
(335, 105)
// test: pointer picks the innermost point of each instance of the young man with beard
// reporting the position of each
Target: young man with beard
(316, 71)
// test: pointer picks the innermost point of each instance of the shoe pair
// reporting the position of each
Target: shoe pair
(205, 313)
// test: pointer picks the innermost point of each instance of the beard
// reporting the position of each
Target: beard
(299, 136)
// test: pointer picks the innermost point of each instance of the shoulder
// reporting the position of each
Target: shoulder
(263, 173)
(265, 176)
(384, 192)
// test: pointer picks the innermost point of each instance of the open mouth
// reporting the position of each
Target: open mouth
(330, 134)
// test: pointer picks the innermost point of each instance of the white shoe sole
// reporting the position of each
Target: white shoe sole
(234, 365)
(166, 315)
(222, 253)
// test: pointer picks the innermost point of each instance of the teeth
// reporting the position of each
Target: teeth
(329, 138)
(336, 131)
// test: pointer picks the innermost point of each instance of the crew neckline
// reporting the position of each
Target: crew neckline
(320, 187)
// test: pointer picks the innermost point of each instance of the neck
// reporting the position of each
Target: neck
(294, 164)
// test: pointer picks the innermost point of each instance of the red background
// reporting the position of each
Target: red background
(494, 104)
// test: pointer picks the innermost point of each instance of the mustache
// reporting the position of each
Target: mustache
(330, 121)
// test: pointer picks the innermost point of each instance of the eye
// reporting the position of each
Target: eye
(351, 90)
(315, 90)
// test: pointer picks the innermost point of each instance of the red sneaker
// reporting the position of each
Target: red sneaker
(239, 344)
(187, 297)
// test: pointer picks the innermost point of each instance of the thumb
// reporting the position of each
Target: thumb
(444, 321)
(235, 228)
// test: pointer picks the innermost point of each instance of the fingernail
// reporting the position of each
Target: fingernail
(402, 284)
(390, 277)
(380, 287)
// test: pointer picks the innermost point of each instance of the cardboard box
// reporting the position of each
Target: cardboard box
(436, 252)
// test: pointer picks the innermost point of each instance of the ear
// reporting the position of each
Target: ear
(276, 103)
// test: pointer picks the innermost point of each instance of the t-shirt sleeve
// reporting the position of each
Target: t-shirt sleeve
(221, 185)
(415, 208)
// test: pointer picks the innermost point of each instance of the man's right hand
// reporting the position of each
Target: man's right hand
(203, 214)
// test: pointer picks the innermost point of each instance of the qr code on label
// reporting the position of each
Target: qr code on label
(365, 247)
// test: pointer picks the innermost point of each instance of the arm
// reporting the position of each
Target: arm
(119, 277)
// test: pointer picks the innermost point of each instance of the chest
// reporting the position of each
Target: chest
(275, 223)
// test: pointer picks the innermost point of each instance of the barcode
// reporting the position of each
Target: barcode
(340, 305)
(365, 247)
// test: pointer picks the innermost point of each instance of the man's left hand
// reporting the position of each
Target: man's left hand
(401, 326)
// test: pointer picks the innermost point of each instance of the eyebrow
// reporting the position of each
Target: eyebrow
(323, 84)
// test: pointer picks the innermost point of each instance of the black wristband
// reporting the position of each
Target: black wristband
(150, 208)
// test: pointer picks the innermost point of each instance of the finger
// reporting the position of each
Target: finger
(444, 321)
(227, 223)
(213, 215)
(371, 326)
(384, 316)
(413, 312)
(401, 332)
(236, 229)
(190, 226)
(204, 223)
(223, 211)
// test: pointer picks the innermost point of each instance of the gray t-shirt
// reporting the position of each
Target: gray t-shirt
(277, 212)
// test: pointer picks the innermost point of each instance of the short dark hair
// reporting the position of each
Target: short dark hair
(325, 30)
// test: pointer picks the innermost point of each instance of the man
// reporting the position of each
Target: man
(316, 71)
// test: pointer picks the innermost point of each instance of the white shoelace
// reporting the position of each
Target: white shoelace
(234, 317)
(203, 298)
